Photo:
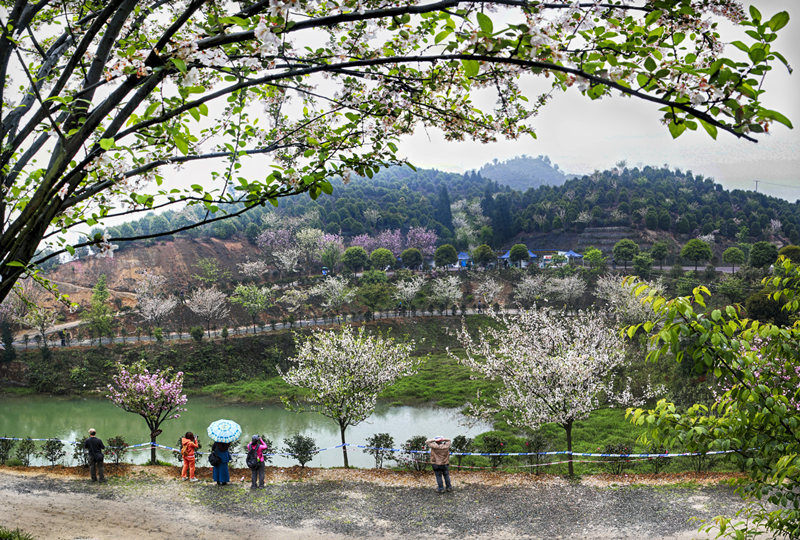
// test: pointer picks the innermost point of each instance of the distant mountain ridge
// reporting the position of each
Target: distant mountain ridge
(524, 172)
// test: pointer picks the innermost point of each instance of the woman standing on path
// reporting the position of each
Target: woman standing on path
(188, 445)
(220, 472)
(257, 444)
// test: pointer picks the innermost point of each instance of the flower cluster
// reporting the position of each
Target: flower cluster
(156, 396)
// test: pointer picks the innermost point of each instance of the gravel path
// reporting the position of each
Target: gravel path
(147, 505)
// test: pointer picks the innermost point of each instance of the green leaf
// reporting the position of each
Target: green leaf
(105, 144)
(471, 67)
(442, 35)
(180, 64)
(652, 17)
(778, 21)
(195, 113)
(486, 23)
(755, 14)
(778, 117)
(676, 129)
(650, 64)
(181, 143)
(710, 128)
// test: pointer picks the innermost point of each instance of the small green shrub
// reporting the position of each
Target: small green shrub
(494, 444)
(116, 448)
(197, 333)
(6, 445)
(616, 465)
(301, 448)
(378, 442)
(52, 451)
(25, 451)
(535, 444)
(79, 454)
(461, 443)
(158, 333)
(412, 459)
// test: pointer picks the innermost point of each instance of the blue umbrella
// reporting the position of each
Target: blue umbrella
(224, 431)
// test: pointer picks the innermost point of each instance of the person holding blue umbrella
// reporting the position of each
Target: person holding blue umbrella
(223, 433)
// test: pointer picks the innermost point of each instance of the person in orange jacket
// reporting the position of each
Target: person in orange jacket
(189, 444)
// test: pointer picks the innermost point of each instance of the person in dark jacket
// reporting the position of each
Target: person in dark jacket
(220, 472)
(94, 449)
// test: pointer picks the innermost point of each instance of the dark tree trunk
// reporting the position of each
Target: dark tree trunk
(568, 428)
(344, 448)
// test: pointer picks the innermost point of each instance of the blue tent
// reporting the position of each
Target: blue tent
(507, 255)
(572, 255)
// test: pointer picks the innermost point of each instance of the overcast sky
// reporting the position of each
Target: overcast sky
(581, 136)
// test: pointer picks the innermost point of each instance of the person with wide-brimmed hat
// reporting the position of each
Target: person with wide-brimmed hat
(440, 461)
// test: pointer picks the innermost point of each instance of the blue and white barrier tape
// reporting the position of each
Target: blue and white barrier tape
(363, 447)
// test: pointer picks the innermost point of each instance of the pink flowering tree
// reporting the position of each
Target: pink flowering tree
(391, 239)
(344, 371)
(155, 396)
(365, 241)
(551, 368)
(423, 239)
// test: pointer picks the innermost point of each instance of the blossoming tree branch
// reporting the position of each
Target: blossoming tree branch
(101, 100)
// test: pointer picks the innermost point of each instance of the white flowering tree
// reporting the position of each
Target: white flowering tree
(488, 290)
(344, 371)
(446, 291)
(309, 244)
(155, 396)
(294, 299)
(210, 304)
(551, 368)
(253, 299)
(253, 269)
(529, 290)
(286, 259)
(565, 290)
(406, 291)
(102, 100)
(152, 301)
(335, 293)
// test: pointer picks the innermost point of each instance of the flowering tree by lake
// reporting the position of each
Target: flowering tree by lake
(210, 304)
(344, 371)
(155, 396)
(488, 289)
(551, 368)
(151, 299)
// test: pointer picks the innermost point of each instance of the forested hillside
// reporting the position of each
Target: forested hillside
(470, 209)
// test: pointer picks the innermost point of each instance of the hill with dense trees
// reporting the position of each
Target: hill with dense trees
(471, 209)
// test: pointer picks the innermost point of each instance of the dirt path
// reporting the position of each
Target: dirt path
(151, 502)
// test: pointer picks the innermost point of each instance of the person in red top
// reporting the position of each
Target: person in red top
(189, 444)
(257, 443)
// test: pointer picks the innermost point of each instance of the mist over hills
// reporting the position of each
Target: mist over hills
(524, 172)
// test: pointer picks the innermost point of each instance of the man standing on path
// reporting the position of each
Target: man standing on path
(440, 458)
(95, 448)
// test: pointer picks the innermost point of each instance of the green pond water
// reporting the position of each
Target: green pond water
(70, 418)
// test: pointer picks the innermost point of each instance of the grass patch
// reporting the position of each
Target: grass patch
(16, 534)
(440, 380)
(268, 390)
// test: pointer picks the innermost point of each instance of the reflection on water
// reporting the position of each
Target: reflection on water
(70, 418)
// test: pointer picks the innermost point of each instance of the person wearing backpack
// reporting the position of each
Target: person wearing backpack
(219, 461)
(189, 444)
(255, 460)
(94, 448)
